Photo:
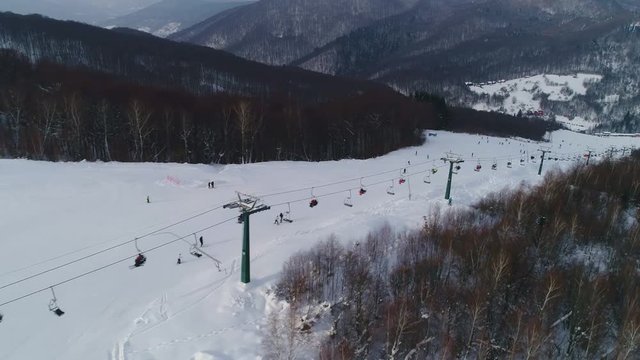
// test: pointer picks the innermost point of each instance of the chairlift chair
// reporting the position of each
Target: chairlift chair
(194, 251)
(391, 189)
(363, 189)
(314, 201)
(427, 179)
(509, 164)
(139, 260)
(521, 162)
(494, 166)
(53, 305)
(347, 201)
(287, 214)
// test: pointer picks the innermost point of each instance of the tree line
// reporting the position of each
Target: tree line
(548, 271)
(52, 112)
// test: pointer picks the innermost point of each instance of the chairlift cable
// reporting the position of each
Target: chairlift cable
(128, 258)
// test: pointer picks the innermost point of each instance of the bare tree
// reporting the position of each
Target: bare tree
(14, 100)
(74, 123)
(185, 134)
(246, 124)
(46, 123)
(103, 121)
(139, 121)
(284, 340)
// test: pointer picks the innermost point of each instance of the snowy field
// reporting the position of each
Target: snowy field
(54, 214)
(524, 94)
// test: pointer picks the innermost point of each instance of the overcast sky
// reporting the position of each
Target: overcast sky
(90, 11)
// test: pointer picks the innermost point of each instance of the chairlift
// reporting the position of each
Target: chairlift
(391, 189)
(314, 200)
(427, 179)
(287, 214)
(363, 189)
(135, 243)
(139, 260)
(347, 201)
(53, 304)
(194, 251)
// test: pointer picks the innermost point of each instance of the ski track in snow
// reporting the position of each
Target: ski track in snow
(166, 311)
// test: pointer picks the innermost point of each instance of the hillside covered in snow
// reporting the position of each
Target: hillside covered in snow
(74, 226)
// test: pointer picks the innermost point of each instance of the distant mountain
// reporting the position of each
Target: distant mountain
(87, 11)
(169, 16)
(281, 31)
(151, 60)
(438, 45)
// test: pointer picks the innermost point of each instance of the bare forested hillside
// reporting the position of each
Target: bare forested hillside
(549, 271)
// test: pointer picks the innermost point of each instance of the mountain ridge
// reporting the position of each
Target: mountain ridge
(437, 46)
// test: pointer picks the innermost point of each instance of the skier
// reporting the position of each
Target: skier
(281, 217)
(179, 259)
(140, 259)
(201, 241)
(213, 185)
(148, 201)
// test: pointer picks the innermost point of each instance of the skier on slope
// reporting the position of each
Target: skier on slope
(201, 241)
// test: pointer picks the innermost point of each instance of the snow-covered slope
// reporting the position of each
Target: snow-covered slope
(526, 94)
(54, 213)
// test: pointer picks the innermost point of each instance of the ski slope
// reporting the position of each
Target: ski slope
(59, 213)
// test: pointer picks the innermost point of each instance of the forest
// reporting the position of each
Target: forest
(543, 272)
(52, 112)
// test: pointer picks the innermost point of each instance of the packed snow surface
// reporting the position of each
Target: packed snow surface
(56, 213)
